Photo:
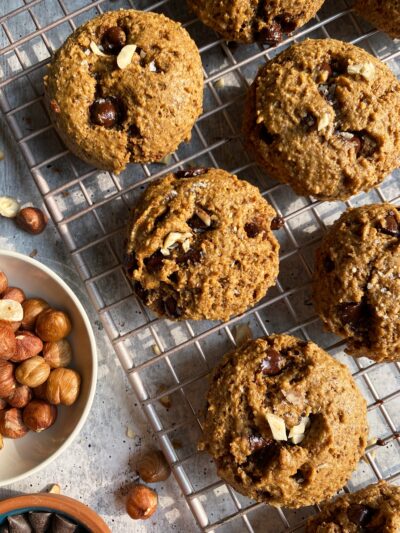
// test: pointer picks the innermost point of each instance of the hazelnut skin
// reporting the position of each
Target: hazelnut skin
(32, 309)
(39, 415)
(3, 404)
(141, 502)
(57, 353)
(8, 342)
(32, 372)
(14, 293)
(13, 325)
(53, 325)
(32, 220)
(21, 396)
(7, 379)
(63, 386)
(153, 467)
(12, 424)
(28, 345)
(3, 282)
(40, 393)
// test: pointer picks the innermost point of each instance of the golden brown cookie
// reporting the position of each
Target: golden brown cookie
(200, 245)
(286, 423)
(324, 117)
(375, 509)
(384, 14)
(255, 20)
(357, 281)
(127, 86)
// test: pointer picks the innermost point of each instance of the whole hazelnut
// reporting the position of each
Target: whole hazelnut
(57, 353)
(32, 220)
(21, 396)
(39, 415)
(63, 386)
(40, 393)
(32, 372)
(53, 325)
(3, 282)
(8, 342)
(141, 502)
(28, 345)
(7, 379)
(32, 309)
(14, 293)
(153, 467)
(12, 424)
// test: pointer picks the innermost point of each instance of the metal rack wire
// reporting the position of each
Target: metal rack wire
(167, 363)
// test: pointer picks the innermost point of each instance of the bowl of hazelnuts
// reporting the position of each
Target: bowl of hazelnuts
(48, 366)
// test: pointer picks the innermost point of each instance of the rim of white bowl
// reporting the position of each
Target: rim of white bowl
(93, 349)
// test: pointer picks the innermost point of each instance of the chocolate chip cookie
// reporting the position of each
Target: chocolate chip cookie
(375, 509)
(357, 281)
(127, 86)
(324, 116)
(247, 21)
(200, 245)
(384, 15)
(285, 423)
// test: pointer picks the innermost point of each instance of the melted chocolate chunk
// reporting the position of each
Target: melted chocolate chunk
(113, 40)
(192, 256)
(271, 35)
(171, 307)
(277, 223)
(391, 226)
(174, 277)
(257, 442)
(265, 135)
(286, 22)
(353, 314)
(252, 229)
(191, 172)
(273, 363)
(338, 66)
(359, 514)
(154, 263)
(263, 456)
(106, 112)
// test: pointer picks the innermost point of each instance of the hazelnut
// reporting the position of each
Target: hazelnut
(7, 379)
(33, 372)
(39, 415)
(40, 393)
(11, 313)
(53, 325)
(153, 467)
(11, 424)
(63, 386)
(57, 353)
(14, 293)
(8, 342)
(28, 345)
(21, 396)
(3, 404)
(32, 309)
(13, 325)
(3, 282)
(141, 503)
(32, 220)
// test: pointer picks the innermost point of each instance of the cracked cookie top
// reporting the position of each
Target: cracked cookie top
(200, 245)
(324, 116)
(255, 20)
(375, 509)
(357, 281)
(127, 86)
(285, 422)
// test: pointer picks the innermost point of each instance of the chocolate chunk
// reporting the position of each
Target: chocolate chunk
(18, 524)
(391, 226)
(359, 514)
(339, 66)
(39, 521)
(329, 265)
(113, 40)
(171, 307)
(105, 112)
(174, 277)
(262, 457)
(192, 256)
(154, 263)
(286, 22)
(191, 172)
(352, 313)
(257, 442)
(252, 229)
(271, 35)
(60, 524)
(277, 223)
(273, 363)
(265, 135)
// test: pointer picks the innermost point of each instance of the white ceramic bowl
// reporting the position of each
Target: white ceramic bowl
(23, 457)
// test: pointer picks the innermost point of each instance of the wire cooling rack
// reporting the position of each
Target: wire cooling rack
(167, 363)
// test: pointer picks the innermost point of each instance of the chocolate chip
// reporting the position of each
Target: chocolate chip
(257, 442)
(105, 112)
(113, 40)
(265, 135)
(192, 256)
(174, 277)
(329, 265)
(338, 66)
(252, 229)
(191, 172)
(359, 514)
(286, 22)
(273, 363)
(171, 307)
(271, 35)
(277, 223)
(351, 313)
(154, 263)
(391, 226)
